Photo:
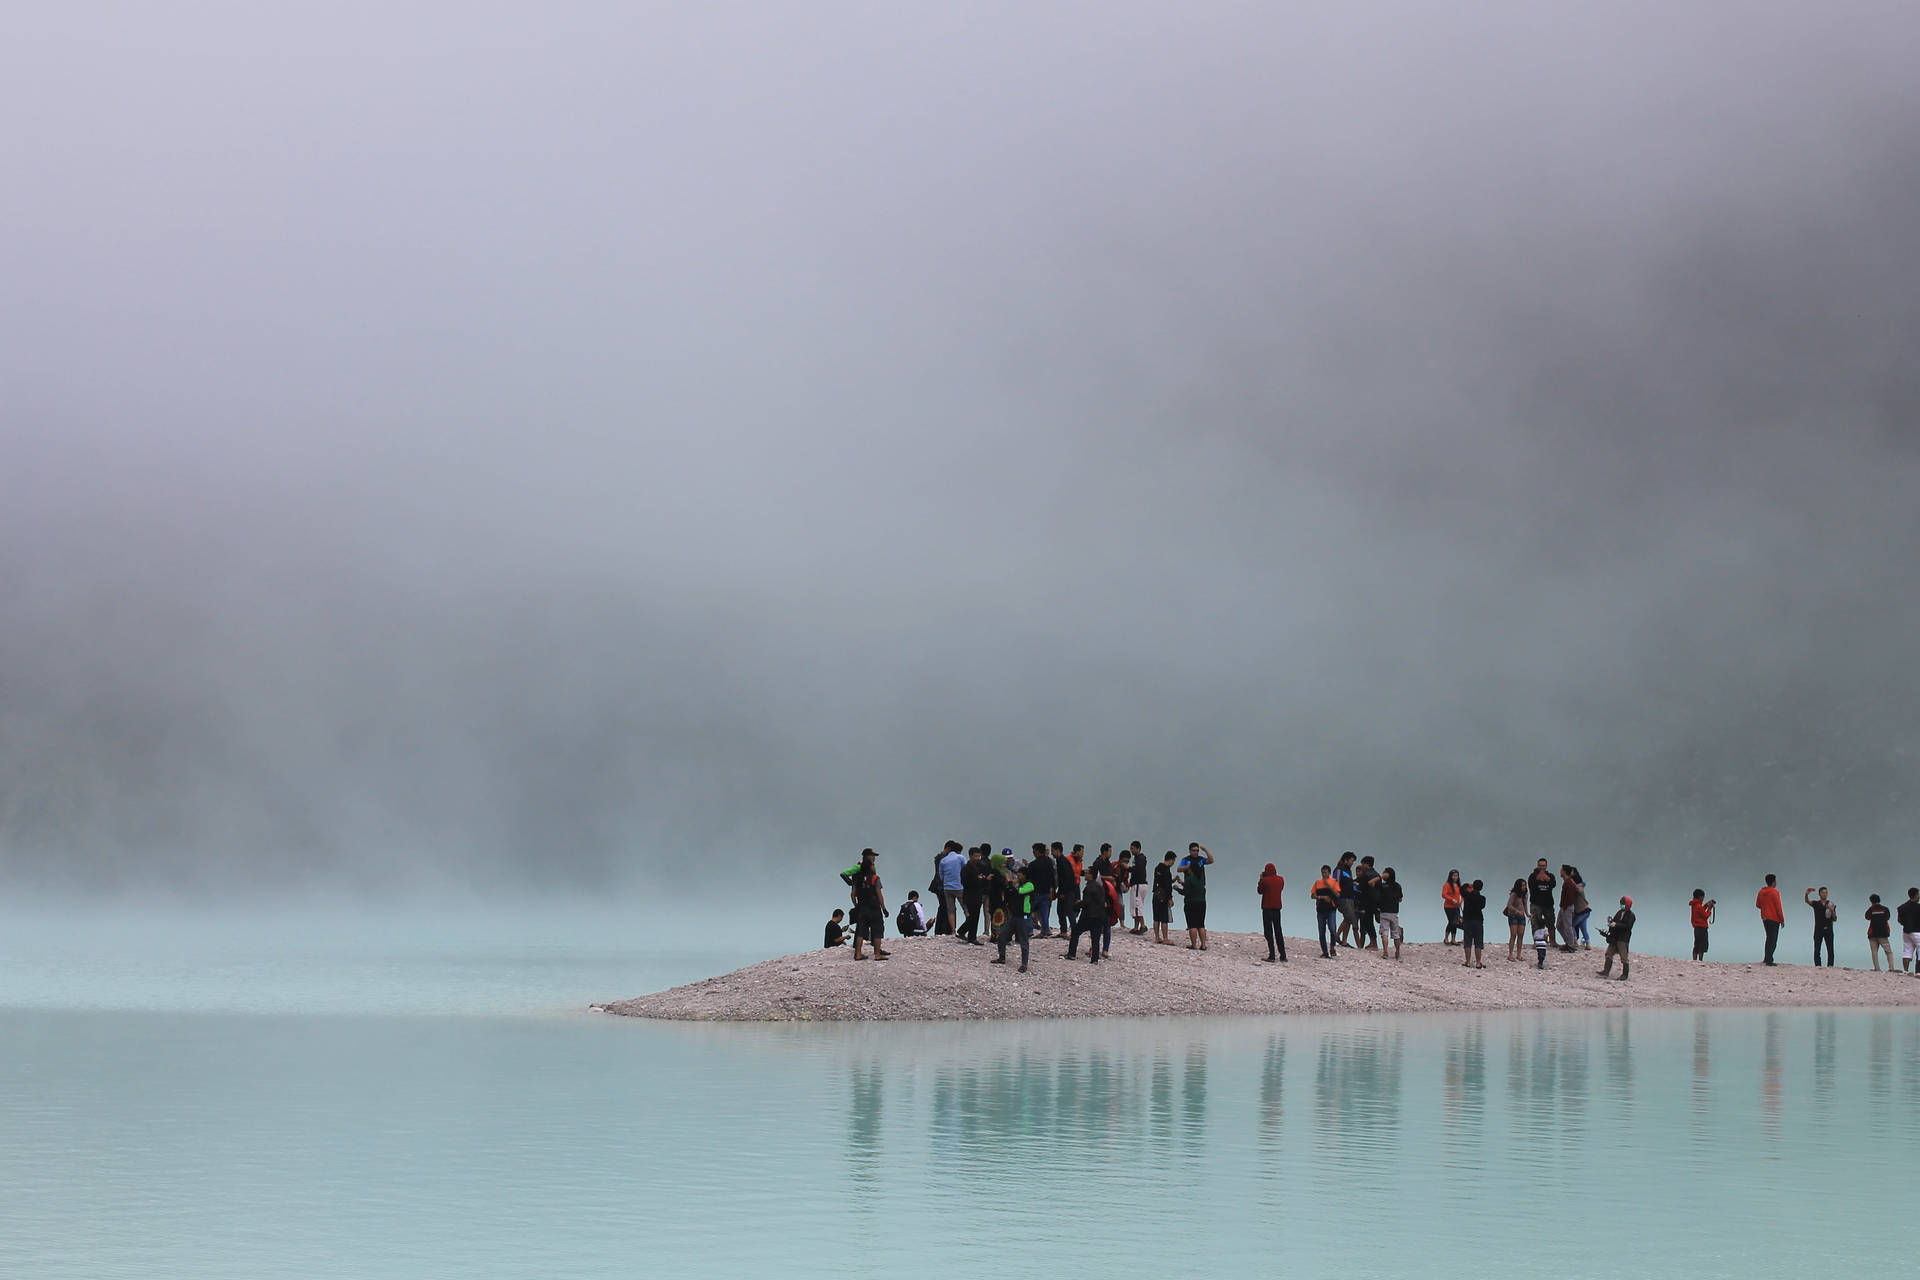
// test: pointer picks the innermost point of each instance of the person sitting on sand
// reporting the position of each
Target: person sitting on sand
(1272, 888)
(1387, 895)
(1163, 900)
(836, 935)
(1618, 933)
(1701, 911)
(1516, 914)
(1092, 919)
(912, 921)
(1473, 926)
(1193, 889)
(1909, 914)
(1825, 912)
(1326, 903)
(1879, 932)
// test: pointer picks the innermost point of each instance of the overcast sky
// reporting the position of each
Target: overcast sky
(583, 444)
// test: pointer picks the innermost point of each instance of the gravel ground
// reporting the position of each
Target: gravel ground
(940, 979)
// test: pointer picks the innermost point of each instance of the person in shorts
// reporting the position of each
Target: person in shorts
(1163, 900)
(1193, 888)
(1473, 926)
(1909, 914)
(1387, 896)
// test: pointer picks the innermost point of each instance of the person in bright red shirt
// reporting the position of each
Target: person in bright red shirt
(1271, 885)
(1702, 910)
(1772, 915)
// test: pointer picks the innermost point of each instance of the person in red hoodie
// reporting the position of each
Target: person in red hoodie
(1772, 915)
(1271, 885)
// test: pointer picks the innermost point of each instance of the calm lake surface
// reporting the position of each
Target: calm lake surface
(298, 1098)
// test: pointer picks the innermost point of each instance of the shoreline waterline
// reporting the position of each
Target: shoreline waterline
(935, 979)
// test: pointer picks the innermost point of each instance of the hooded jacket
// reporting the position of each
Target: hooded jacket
(1272, 883)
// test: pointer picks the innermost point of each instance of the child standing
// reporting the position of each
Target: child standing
(1540, 943)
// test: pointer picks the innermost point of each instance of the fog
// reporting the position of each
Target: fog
(608, 448)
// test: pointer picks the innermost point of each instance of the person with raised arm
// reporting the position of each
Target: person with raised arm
(1193, 890)
(1825, 912)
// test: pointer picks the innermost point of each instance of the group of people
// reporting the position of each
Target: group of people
(1055, 892)
(1826, 912)
(1059, 892)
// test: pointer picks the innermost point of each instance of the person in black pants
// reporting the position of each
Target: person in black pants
(1270, 886)
(1326, 905)
(1066, 888)
(1040, 871)
(1825, 911)
(1473, 926)
(1091, 919)
(973, 890)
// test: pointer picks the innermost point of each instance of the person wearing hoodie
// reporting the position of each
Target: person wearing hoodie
(1270, 887)
(1066, 883)
(1618, 933)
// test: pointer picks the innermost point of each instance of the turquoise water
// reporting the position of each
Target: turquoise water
(212, 1135)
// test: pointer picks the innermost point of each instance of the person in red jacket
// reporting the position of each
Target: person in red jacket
(1772, 915)
(1271, 885)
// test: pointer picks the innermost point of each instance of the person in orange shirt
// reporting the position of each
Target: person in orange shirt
(1702, 910)
(1450, 894)
(1326, 907)
(1772, 915)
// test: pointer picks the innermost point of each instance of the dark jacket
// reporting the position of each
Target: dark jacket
(1040, 871)
(1620, 927)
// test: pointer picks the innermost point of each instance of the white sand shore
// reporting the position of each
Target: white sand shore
(939, 979)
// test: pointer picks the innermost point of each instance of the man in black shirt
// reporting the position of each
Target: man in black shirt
(1825, 911)
(1040, 871)
(1365, 881)
(1879, 929)
(973, 888)
(1137, 889)
(1909, 914)
(1540, 887)
(1618, 933)
(1163, 899)
(1473, 926)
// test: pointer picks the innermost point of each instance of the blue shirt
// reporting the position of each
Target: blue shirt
(950, 864)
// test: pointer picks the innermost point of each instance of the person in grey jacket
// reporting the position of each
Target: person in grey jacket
(1618, 933)
(1573, 900)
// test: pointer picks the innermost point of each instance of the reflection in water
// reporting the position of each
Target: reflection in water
(1880, 1058)
(1700, 1095)
(866, 1119)
(1273, 1083)
(1357, 1086)
(1772, 1078)
(1463, 1090)
(1823, 1063)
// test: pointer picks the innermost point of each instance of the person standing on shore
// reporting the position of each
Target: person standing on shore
(1450, 903)
(1573, 900)
(869, 905)
(1091, 920)
(1773, 914)
(1910, 931)
(1540, 887)
(1193, 889)
(1040, 871)
(947, 870)
(1271, 887)
(1582, 911)
(1618, 933)
(1879, 932)
(1137, 889)
(973, 892)
(1349, 908)
(1365, 881)
(1163, 900)
(1473, 926)
(1825, 912)
(1701, 911)
(1326, 904)
(1387, 896)
(1018, 902)
(1516, 914)
(1066, 881)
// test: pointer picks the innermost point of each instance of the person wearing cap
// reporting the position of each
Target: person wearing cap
(869, 905)
(1618, 933)
(1017, 902)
